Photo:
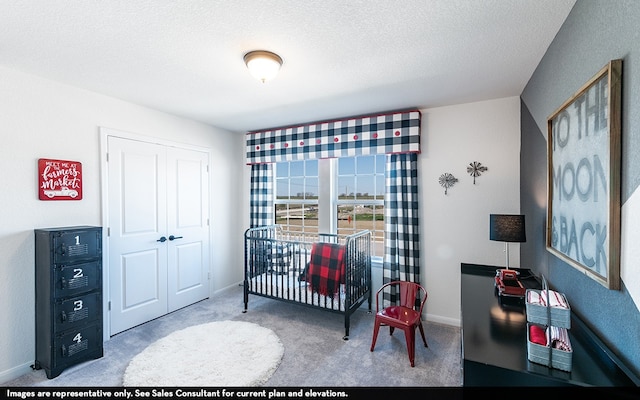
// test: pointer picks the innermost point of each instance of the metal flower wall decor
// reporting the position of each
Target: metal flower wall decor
(447, 180)
(476, 169)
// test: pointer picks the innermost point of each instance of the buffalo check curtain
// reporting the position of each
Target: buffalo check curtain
(402, 230)
(396, 134)
(261, 202)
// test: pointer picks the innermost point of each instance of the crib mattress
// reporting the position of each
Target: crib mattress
(288, 287)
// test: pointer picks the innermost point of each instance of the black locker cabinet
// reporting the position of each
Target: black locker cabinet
(68, 297)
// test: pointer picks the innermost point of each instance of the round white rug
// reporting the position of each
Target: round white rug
(222, 353)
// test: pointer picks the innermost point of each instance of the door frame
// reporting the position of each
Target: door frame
(105, 133)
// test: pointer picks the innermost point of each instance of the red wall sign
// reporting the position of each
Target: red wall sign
(59, 179)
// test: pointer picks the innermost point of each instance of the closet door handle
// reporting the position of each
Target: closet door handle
(162, 239)
(174, 237)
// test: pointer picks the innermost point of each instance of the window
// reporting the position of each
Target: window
(360, 203)
(344, 195)
(296, 203)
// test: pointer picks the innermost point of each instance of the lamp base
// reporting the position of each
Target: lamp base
(506, 250)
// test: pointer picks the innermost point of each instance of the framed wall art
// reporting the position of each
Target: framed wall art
(583, 181)
(59, 179)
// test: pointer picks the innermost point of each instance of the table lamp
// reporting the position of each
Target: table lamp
(507, 228)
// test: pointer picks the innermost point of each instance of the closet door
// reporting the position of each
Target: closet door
(188, 227)
(159, 234)
(137, 222)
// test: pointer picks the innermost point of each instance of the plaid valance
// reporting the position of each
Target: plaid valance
(397, 132)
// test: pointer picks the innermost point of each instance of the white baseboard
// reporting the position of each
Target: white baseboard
(444, 320)
(15, 372)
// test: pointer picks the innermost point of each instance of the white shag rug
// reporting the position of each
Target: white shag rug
(222, 353)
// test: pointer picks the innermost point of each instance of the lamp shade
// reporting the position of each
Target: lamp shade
(507, 228)
(263, 65)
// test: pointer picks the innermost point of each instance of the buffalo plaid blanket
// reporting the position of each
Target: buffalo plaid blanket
(326, 268)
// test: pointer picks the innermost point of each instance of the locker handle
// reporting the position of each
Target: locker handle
(162, 239)
(63, 283)
(174, 237)
(63, 316)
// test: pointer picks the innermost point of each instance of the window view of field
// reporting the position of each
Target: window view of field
(360, 199)
(351, 219)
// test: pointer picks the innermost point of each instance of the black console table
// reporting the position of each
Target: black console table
(494, 341)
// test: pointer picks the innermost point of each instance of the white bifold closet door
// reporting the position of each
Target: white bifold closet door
(158, 230)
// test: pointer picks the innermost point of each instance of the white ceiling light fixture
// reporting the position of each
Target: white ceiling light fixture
(263, 65)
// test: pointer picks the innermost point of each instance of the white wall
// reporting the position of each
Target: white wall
(630, 251)
(455, 227)
(44, 119)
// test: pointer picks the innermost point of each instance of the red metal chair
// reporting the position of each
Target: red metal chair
(405, 316)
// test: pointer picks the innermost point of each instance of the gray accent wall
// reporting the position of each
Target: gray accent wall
(595, 32)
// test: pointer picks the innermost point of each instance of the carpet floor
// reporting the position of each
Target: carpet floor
(315, 355)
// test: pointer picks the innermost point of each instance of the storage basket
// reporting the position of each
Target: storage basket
(545, 355)
(554, 316)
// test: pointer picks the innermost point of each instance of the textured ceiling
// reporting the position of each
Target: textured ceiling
(341, 57)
